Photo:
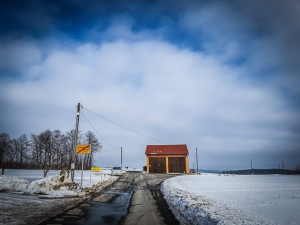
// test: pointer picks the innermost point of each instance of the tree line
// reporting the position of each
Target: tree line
(47, 150)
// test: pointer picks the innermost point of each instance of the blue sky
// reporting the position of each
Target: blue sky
(220, 76)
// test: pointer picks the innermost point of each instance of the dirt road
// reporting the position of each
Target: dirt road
(148, 205)
(135, 198)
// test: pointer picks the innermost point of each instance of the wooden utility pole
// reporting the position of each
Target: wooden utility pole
(121, 157)
(197, 159)
(251, 164)
(75, 142)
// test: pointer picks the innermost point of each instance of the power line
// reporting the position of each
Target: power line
(125, 127)
(111, 150)
(209, 152)
(98, 132)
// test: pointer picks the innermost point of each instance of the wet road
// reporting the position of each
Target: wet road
(21, 209)
(135, 198)
(148, 205)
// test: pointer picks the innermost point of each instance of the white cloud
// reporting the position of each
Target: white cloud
(15, 54)
(130, 73)
(171, 94)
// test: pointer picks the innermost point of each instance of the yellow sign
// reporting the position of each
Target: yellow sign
(83, 149)
(96, 169)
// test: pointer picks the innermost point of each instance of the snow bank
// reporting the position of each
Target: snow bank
(13, 183)
(52, 186)
(190, 207)
(47, 186)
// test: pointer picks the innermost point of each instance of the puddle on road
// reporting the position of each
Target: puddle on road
(111, 212)
(108, 208)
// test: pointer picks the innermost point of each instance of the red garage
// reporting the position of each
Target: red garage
(167, 158)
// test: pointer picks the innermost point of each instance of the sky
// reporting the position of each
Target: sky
(219, 76)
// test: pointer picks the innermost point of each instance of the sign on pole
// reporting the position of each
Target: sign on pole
(83, 149)
(96, 169)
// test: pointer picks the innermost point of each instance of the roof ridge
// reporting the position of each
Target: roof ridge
(172, 149)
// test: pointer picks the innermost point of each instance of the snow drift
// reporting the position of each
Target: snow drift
(48, 186)
(243, 199)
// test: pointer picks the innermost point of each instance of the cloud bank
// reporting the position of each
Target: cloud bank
(220, 77)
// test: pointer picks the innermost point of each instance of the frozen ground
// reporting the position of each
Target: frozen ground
(88, 178)
(28, 198)
(250, 199)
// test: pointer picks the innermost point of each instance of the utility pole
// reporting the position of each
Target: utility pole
(197, 159)
(121, 157)
(75, 142)
(251, 164)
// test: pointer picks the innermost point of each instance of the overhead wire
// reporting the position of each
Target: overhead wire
(212, 153)
(209, 152)
(124, 126)
(111, 150)
(115, 148)
(97, 131)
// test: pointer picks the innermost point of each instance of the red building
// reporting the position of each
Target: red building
(167, 159)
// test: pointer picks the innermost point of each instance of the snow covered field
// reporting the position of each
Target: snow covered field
(250, 199)
(194, 199)
(28, 198)
(32, 175)
(32, 182)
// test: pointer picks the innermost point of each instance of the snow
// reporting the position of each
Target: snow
(227, 199)
(194, 199)
(50, 185)
(28, 198)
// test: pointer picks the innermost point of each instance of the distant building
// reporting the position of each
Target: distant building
(167, 159)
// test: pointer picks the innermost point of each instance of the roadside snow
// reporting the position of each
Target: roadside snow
(34, 199)
(50, 185)
(253, 199)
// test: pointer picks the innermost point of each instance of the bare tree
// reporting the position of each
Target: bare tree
(46, 160)
(19, 150)
(23, 148)
(36, 150)
(68, 141)
(58, 155)
(42, 151)
(90, 138)
(297, 169)
(5, 146)
(47, 150)
(12, 154)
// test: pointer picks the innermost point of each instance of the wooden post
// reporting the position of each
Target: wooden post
(167, 164)
(75, 142)
(147, 164)
(187, 165)
(121, 157)
(197, 159)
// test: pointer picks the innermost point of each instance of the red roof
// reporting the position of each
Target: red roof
(166, 150)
